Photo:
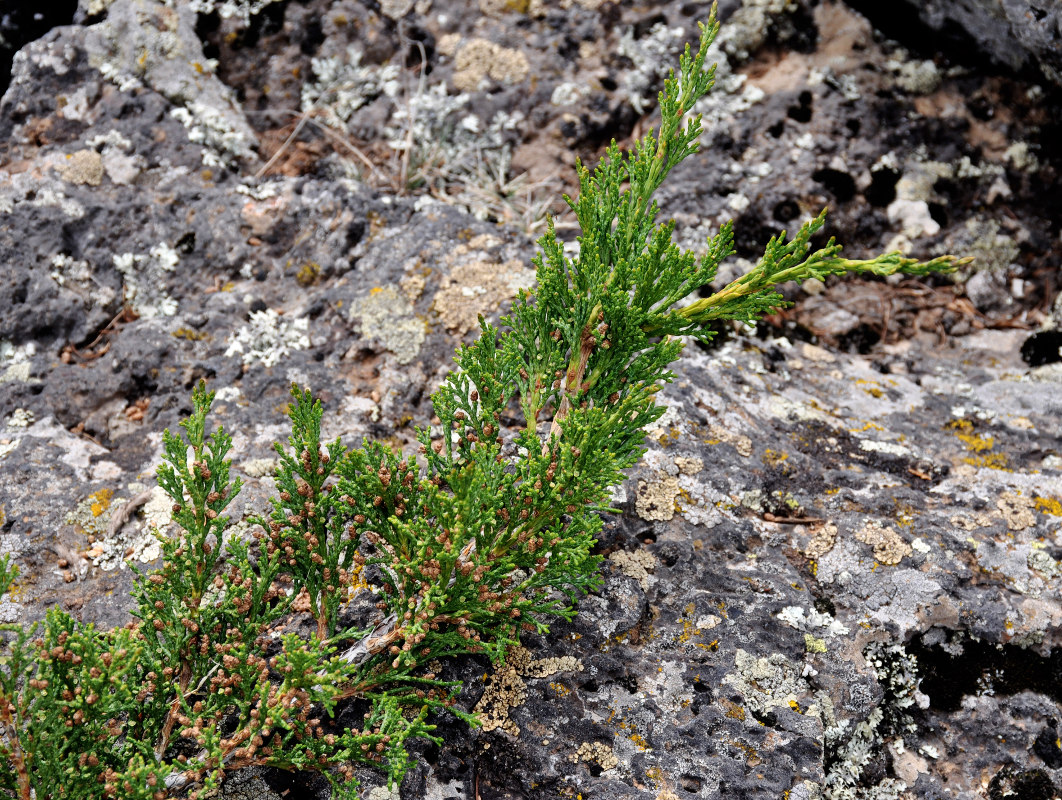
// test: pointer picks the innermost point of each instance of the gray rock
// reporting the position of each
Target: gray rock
(1015, 33)
(833, 574)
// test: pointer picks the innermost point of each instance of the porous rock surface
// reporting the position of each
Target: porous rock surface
(1022, 34)
(836, 571)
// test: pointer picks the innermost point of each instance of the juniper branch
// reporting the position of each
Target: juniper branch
(487, 532)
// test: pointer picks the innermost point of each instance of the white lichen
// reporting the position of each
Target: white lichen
(342, 86)
(145, 280)
(19, 418)
(651, 56)
(16, 361)
(268, 337)
(241, 10)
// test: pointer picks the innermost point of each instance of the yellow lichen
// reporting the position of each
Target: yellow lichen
(640, 742)
(495, 8)
(812, 645)
(308, 273)
(773, 458)
(191, 335)
(733, 710)
(975, 443)
(873, 388)
(979, 445)
(990, 461)
(867, 426)
(669, 436)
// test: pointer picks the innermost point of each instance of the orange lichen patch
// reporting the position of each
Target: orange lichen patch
(355, 581)
(100, 501)
(773, 458)
(639, 742)
(733, 710)
(669, 437)
(752, 757)
(870, 387)
(975, 443)
(991, 461)
(1048, 505)
(905, 514)
(308, 273)
(867, 426)
(630, 730)
(190, 335)
(656, 775)
(688, 628)
(964, 431)
(979, 445)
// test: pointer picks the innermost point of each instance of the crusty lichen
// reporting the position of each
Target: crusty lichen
(1017, 510)
(387, 314)
(740, 442)
(656, 498)
(475, 288)
(478, 59)
(505, 688)
(145, 278)
(596, 753)
(766, 683)
(889, 546)
(83, 167)
(637, 565)
(822, 541)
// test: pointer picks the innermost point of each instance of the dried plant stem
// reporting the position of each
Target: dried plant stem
(25, 791)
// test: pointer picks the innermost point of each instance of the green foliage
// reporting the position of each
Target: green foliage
(486, 532)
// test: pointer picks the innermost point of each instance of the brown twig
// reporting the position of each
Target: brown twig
(769, 517)
(123, 514)
(25, 791)
(574, 378)
(175, 707)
